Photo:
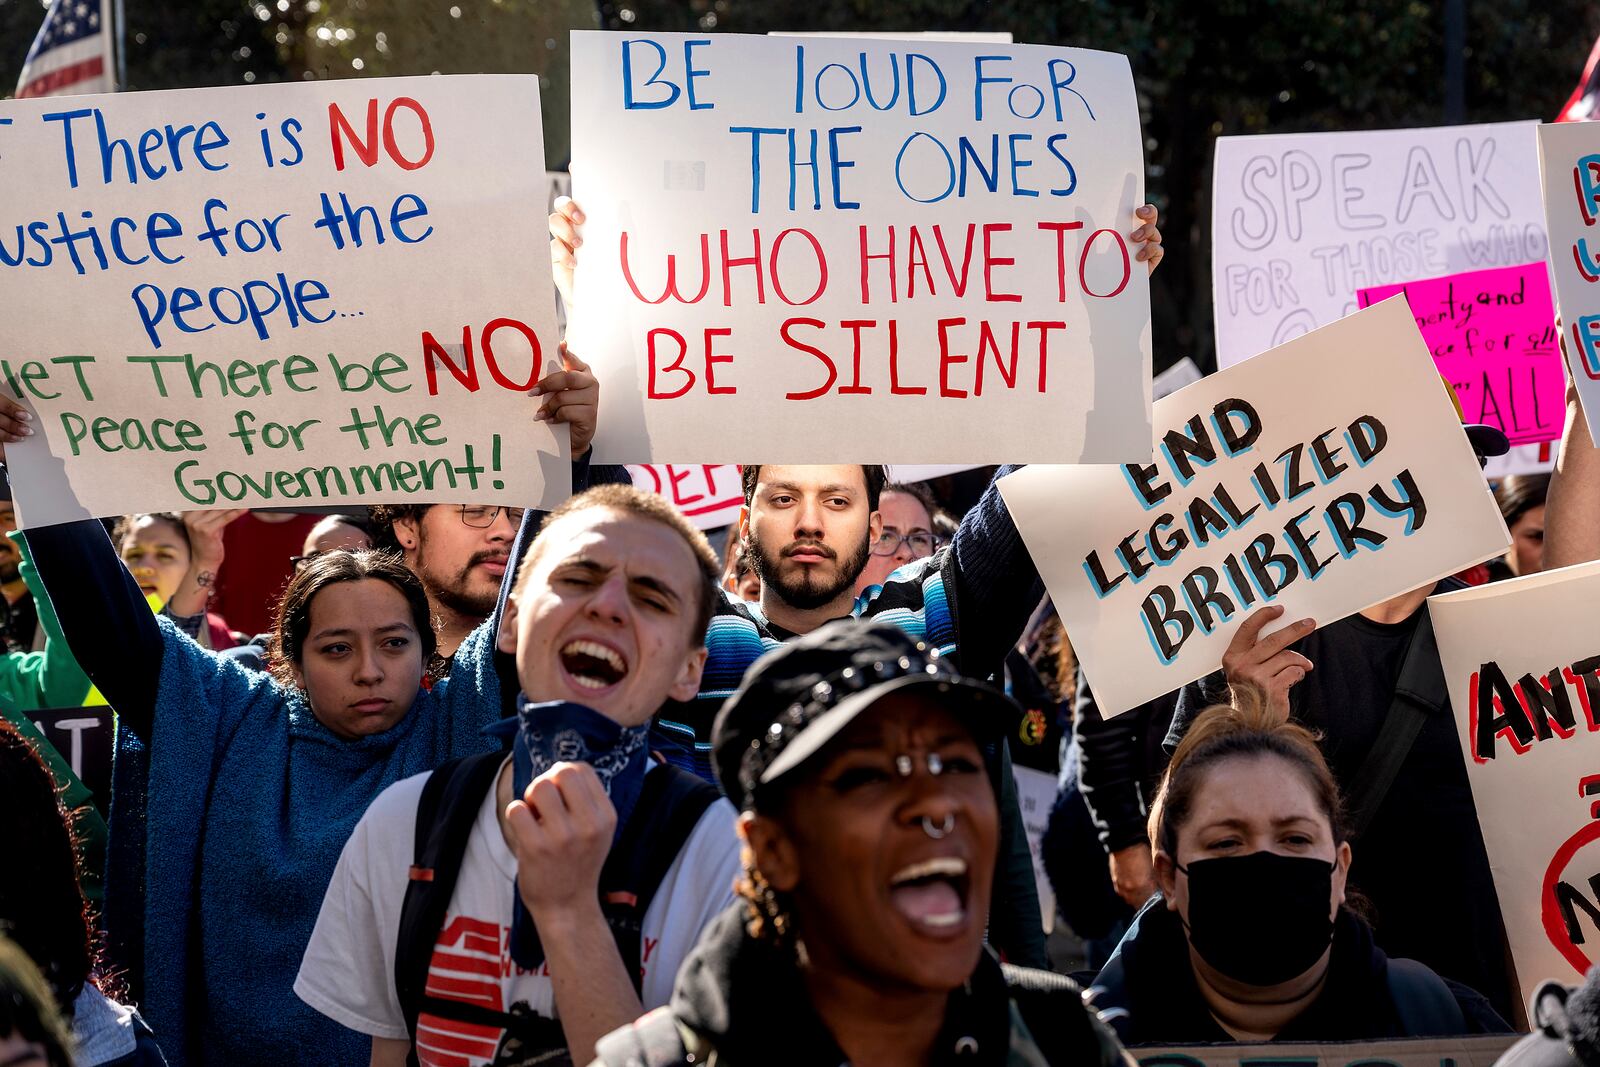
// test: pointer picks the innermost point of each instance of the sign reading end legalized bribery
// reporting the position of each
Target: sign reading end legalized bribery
(278, 295)
(1326, 475)
(1522, 659)
(1569, 161)
(809, 250)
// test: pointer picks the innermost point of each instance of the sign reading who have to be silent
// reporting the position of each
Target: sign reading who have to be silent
(278, 295)
(846, 250)
(1522, 660)
(1288, 479)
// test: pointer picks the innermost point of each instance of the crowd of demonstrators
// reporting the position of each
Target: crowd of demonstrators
(507, 786)
(870, 834)
(1254, 936)
(45, 912)
(607, 622)
(255, 780)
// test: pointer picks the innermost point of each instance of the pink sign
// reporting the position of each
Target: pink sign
(1493, 337)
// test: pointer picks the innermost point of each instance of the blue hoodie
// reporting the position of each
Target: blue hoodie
(250, 801)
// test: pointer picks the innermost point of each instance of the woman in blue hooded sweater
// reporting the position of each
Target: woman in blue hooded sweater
(256, 780)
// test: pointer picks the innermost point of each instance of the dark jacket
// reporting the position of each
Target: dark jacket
(1425, 832)
(1148, 992)
(744, 1002)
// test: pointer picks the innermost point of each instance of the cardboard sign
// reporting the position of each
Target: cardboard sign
(1522, 459)
(1288, 480)
(1182, 373)
(825, 250)
(1470, 1051)
(85, 738)
(1300, 222)
(709, 495)
(278, 295)
(1036, 795)
(1493, 336)
(1522, 658)
(1569, 163)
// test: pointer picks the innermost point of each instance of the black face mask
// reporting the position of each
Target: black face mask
(1260, 919)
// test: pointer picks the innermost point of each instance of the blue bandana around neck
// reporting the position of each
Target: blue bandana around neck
(559, 731)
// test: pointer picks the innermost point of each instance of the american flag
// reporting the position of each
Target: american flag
(72, 53)
(1584, 104)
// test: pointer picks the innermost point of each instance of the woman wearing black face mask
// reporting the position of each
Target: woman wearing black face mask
(1250, 939)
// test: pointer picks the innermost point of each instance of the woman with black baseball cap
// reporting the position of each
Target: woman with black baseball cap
(871, 833)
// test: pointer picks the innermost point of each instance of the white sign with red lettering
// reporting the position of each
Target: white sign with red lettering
(1522, 659)
(826, 250)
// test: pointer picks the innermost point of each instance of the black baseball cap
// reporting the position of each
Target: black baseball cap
(796, 698)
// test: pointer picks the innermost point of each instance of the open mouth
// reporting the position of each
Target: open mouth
(932, 895)
(593, 665)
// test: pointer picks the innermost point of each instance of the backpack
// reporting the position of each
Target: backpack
(669, 807)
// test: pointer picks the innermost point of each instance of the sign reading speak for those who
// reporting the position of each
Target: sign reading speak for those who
(1569, 161)
(794, 245)
(1299, 222)
(1288, 480)
(278, 295)
(1522, 659)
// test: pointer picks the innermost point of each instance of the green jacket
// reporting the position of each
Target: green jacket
(33, 681)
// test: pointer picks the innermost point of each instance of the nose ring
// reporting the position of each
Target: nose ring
(942, 830)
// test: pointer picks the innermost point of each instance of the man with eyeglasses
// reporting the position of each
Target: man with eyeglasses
(460, 553)
(907, 535)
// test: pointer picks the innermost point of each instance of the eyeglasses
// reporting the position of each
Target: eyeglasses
(920, 542)
(302, 562)
(482, 516)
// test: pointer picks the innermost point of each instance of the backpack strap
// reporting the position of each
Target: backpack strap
(669, 807)
(1425, 1004)
(449, 805)
(1419, 692)
(652, 1040)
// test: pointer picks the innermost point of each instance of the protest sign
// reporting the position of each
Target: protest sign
(1493, 337)
(1182, 373)
(1469, 1051)
(85, 738)
(1522, 658)
(807, 250)
(1522, 459)
(1299, 222)
(278, 295)
(1569, 164)
(1036, 795)
(709, 495)
(1287, 480)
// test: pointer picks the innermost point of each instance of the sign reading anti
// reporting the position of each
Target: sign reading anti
(1569, 160)
(1522, 659)
(1300, 222)
(793, 243)
(1287, 480)
(278, 295)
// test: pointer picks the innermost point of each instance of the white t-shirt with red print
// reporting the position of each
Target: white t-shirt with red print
(348, 969)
